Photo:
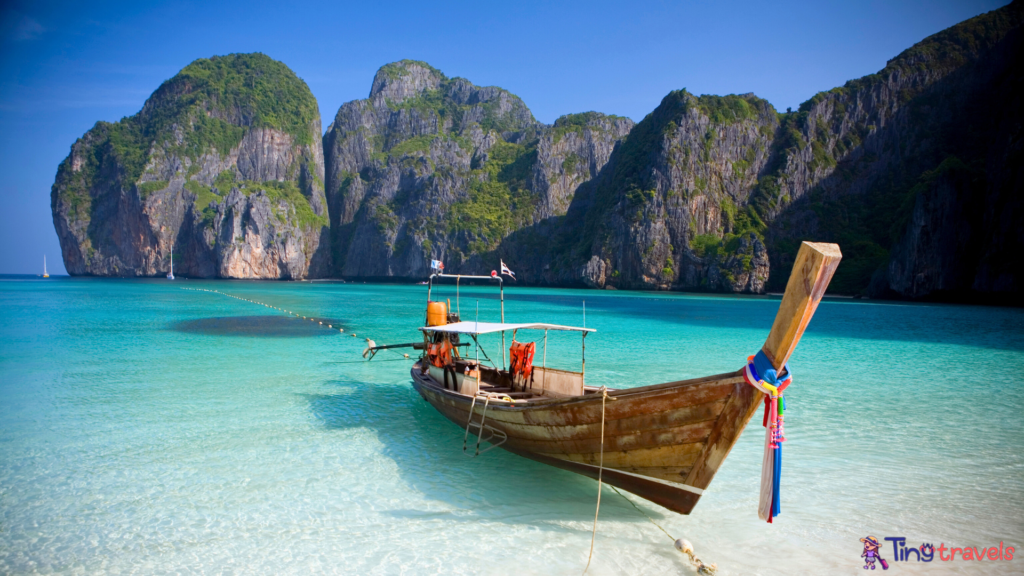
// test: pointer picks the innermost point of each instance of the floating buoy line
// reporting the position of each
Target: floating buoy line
(288, 312)
(265, 305)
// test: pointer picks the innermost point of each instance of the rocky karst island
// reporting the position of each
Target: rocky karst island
(223, 165)
(915, 171)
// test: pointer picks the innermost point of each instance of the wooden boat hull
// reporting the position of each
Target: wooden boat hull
(663, 442)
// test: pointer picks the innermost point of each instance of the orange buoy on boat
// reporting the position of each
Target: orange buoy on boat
(437, 313)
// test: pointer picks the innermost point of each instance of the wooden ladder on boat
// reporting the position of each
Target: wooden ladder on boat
(493, 433)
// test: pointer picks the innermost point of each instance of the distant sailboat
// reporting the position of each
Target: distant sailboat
(45, 273)
(170, 275)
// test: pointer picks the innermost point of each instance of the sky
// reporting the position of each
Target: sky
(65, 66)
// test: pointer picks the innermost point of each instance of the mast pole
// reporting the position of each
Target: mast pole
(583, 369)
(430, 286)
(501, 288)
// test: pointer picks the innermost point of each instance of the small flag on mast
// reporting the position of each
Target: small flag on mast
(437, 265)
(505, 270)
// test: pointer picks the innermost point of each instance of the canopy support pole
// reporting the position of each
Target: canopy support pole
(480, 349)
(430, 286)
(501, 288)
(544, 361)
(583, 369)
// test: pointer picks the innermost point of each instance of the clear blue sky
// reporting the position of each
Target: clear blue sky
(63, 66)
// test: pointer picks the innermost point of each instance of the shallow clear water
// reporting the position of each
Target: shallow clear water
(149, 429)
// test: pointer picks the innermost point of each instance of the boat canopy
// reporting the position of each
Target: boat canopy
(489, 327)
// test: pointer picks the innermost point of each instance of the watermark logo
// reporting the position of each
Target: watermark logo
(870, 554)
(926, 552)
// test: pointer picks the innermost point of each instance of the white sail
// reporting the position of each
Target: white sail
(170, 275)
(45, 273)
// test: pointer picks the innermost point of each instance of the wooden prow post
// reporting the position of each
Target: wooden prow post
(815, 264)
(812, 271)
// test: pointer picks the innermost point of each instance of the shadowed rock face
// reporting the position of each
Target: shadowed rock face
(914, 171)
(667, 211)
(224, 165)
(917, 169)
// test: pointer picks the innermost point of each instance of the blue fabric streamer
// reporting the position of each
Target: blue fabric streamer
(777, 477)
(763, 369)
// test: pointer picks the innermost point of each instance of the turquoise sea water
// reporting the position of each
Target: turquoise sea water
(149, 429)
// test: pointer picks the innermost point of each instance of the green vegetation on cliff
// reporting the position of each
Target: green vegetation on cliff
(577, 123)
(246, 90)
(729, 109)
(949, 48)
(211, 102)
(633, 181)
(450, 110)
(630, 173)
(147, 188)
(286, 192)
(499, 201)
(396, 70)
(207, 107)
(432, 102)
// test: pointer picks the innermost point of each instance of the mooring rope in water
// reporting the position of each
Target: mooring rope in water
(600, 474)
(680, 544)
(638, 509)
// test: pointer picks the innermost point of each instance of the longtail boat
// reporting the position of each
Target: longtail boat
(662, 442)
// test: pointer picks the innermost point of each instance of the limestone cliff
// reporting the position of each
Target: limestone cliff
(431, 167)
(915, 171)
(668, 210)
(223, 164)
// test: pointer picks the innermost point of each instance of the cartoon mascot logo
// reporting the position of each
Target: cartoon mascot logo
(870, 553)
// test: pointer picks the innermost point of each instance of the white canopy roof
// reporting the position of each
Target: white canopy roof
(489, 327)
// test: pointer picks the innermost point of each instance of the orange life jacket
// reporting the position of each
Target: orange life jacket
(521, 359)
(440, 353)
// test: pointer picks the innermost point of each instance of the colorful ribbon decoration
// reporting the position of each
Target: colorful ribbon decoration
(761, 374)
